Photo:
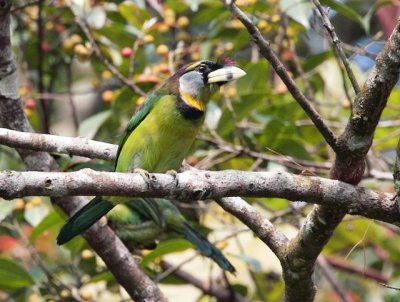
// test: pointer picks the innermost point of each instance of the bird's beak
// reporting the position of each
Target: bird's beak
(225, 74)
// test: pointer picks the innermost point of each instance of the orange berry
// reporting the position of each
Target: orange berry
(162, 49)
(19, 205)
(169, 17)
(163, 68)
(36, 201)
(182, 21)
(106, 75)
(148, 38)
(192, 160)
(82, 52)
(107, 96)
(86, 254)
(140, 100)
(163, 27)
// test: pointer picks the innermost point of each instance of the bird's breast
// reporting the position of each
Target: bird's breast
(160, 142)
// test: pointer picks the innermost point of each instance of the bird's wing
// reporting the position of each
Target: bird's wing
(148, 208)
(83, 219)
(136, 119)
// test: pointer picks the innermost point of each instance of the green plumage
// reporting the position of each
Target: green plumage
(134, 225)
(157, 139)
(84, 218)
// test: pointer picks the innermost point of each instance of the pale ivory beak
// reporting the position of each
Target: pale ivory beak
(225, 74)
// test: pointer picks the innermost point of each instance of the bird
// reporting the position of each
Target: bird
(159, 136)
(133, 224)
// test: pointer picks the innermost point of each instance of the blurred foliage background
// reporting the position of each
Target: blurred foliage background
(72, 86)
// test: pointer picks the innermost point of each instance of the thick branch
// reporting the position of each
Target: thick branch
(356, 139)
(195, 184)
(349, 165)
(84, 147)
(351, 149)
(260, 225)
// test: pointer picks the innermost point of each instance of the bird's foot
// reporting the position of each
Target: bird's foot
(145, 175)
(174, 174)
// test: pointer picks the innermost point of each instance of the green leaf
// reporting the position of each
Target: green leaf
(317, 59)
(164, 248)
(103, 276)
(97, 17)
(89, 127)
(346, 11)
(213, 115)
(35, 214)
(252, 262)
(292, 147)
(118, 34)
(52, 220)
(299, 10)
(13, 276)
(6, 207)
(133, 13)
(371, 12)
(255, 79)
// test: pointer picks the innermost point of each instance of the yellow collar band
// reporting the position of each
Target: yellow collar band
(193, 102)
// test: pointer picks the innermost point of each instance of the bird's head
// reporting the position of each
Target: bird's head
(196, 82)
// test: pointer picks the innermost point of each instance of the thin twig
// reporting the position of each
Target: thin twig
(287, 161)
(220, 293)
(25, 5)
(71, 99)
(336, 44)
(280, 69)
(135, 48)
(40, 65)
(327, 271)
(86, 30)
(351, 268)
(309, 91)
(52, 278)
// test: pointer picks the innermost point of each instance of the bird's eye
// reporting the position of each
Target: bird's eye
(202, 68)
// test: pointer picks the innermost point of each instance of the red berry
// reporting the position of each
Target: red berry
(30, 103)
(126, 52)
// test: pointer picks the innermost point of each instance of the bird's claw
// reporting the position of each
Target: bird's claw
(145, 175)
(174, 174)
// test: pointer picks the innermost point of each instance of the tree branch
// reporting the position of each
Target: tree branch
(94, 149)
(280, 69)
(346, 266)
(357, 137)
(196, 184)
(86, 30)
(336, 44)
(222, 294)
(259, 224)
(351, 149)
(58, 144)
(329, 275)
(349, 165)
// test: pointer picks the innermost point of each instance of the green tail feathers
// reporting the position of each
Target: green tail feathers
(83, 219)
(207, 248)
